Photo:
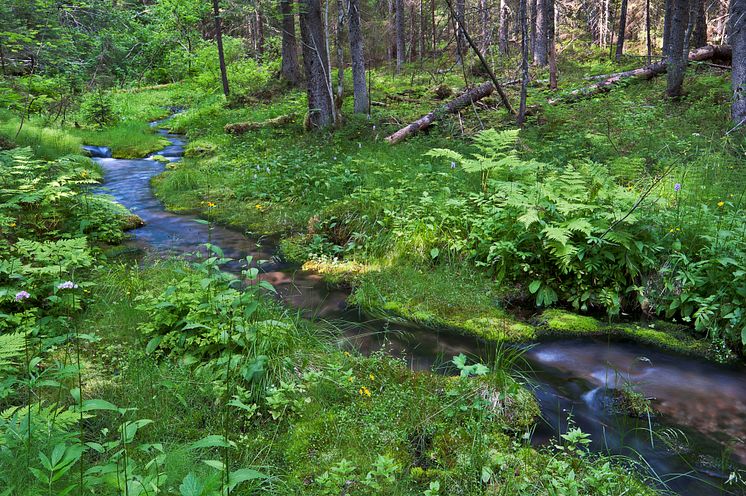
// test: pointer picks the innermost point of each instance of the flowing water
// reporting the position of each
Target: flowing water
(697, 439)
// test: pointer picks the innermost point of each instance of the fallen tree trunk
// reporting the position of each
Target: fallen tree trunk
(242, 127)
(466, 98)
(648, 72)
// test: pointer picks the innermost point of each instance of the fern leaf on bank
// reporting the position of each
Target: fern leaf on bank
(11, 347)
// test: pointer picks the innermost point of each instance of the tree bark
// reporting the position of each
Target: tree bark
(622, 31)
(699, 36)
(339, 47)
(524, 62)
(413, 35)
(289, 69)
(676, 58)
(462, 101)
(531, 19)
(221, 54)
(400, 34)
(503, 28)
(259, 34)
(551, 45)
(648, 72)
(460, 21)
(737, 37)
(540, 44)
(486, 24)
(316, 64)
(648, 39)
(667, 28)
(357, 52)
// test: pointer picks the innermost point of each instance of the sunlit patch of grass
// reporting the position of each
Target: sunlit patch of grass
(47, 143)
(129, 139)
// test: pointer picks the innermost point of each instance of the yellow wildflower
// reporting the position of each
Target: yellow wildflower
(720, 204)
(259, 206)
(347, 353)
(364, 391)
(210, 204)
(372, 377)
(350, 379)
(12, 224)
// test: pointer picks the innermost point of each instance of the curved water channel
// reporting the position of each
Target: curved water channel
(696, 441)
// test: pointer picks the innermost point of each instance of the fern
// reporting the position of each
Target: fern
(11, 347)
(496, 154)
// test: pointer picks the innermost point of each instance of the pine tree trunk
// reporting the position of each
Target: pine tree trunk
(699, 37)
(289, 67)
(486, 24)
(316, 64)
(531, 19)
(524, 61)
(503, 28)
(648, 38)
(676, 59)
(413, 35)
(339, 47)
(552, 45)
(737, 38)
(259, 34)
(221, 53)
(668, 16)
(423, 29)
(622, 31)
(357, 52)
(400, 34)
(460, 21)
(540, 45)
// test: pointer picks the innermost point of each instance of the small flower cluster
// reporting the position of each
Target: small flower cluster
(67, 285)
(22, 295)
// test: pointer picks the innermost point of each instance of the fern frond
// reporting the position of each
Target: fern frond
(558, 234)
(11, 346)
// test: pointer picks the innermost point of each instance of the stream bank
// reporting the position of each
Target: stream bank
(571, 378)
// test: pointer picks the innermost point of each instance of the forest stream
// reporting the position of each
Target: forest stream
(696, 438)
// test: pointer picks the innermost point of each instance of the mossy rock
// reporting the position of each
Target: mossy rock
(560, 321)
(161, 159)
(132, 221)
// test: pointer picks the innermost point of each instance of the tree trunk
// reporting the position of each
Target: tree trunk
(460, 21)
(676, 58)
(433, 26)
(259, 34)
(524, 62)
(699, 36)
(357, 52)
(648, 39)
(413, 35)
(503, 28)
(551, 44)
(316, 64)
(289, 68)
(667, 28)
(622, 31)
(464, 100)
(531, 19)
(339, 47)
(400, 34)
(540, 44)
(737, 37)
(648, 72)
(486, 24)
(423, 29)
(221, 54)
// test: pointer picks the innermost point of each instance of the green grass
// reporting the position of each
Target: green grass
(47, 143)
(448, 438)
(130, 139)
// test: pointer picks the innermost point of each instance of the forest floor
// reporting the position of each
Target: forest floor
(325, 420)
(328, 194)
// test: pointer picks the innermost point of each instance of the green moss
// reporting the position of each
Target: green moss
(560, 321)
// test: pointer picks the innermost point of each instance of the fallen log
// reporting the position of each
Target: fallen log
(466, 98)
(242, 127)
(648, 72)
